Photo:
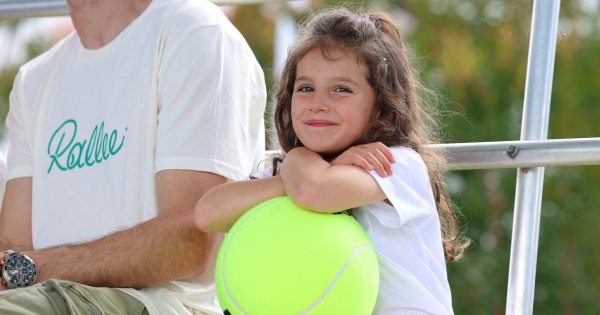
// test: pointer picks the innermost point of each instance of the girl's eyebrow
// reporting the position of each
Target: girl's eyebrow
(346, 79)
(338, 79)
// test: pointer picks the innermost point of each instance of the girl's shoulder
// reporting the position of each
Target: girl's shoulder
(408, 189)
(407, 157)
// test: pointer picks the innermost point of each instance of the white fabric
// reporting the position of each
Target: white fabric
(407, 239)
(179, 88)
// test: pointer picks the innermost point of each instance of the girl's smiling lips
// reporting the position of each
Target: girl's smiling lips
(320, 123)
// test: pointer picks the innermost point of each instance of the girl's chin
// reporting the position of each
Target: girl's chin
(325, 150)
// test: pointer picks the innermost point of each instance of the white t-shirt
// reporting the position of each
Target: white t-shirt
(407, 239)
(179, 88)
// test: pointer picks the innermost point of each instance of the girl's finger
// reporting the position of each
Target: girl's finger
(387, 166)
(375, 163)
(361, 162)
(384, 149)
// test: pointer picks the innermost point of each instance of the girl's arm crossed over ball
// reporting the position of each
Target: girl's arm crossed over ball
(315, 184)
(221, 206)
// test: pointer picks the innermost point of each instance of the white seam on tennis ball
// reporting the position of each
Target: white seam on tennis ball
(358, 250)
(225, 254)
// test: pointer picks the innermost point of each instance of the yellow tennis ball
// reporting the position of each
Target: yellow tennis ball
(280, 259)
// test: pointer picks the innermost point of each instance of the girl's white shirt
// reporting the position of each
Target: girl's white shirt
(407, 239)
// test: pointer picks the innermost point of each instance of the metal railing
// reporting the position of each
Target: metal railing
(15, 9)
(520, 154)
(529, 155)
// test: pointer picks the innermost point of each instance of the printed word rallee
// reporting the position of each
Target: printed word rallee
(100, 147)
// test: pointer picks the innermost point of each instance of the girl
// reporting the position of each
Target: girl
(349, 102)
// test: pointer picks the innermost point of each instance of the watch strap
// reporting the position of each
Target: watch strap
(8, 253)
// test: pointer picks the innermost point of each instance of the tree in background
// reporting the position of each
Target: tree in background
(475, 54)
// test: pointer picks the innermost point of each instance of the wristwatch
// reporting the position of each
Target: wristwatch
(18, 270)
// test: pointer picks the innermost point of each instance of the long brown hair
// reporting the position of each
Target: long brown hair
(401, 116)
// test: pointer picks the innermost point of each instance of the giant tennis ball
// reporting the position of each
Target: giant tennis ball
(280, 259)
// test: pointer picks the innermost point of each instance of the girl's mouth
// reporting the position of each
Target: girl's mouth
(320, 123)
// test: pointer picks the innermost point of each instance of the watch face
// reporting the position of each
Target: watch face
(19, 271)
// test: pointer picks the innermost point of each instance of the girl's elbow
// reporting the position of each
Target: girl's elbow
(305, 196)
(202, 218)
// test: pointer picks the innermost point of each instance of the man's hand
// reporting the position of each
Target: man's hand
(368, 156)
(165, 248)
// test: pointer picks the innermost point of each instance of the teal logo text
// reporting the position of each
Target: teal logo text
(100, 147)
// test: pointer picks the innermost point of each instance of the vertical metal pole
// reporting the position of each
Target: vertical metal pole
(528, 200)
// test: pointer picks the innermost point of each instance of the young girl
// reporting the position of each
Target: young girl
(350, 121)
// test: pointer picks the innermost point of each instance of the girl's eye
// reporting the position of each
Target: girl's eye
(342, 89)
(305, 89)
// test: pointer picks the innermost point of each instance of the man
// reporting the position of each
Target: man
(115, 134)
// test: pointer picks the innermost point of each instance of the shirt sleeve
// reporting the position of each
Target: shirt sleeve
(19, 158)
(408, 189)
(264, 174)
(211, 100)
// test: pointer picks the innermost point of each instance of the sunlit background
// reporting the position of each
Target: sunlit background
(474, 53)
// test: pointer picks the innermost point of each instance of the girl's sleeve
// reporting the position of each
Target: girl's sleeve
(264, 174)
(408, 189)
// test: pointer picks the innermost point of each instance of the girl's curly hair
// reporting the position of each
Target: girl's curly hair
(401, 116)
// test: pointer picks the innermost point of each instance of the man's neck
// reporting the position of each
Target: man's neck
(99, 22)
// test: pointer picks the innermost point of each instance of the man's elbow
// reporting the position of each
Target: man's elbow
(203, 254)
(199, 270)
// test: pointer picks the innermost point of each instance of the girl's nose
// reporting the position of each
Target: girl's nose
(319, 103)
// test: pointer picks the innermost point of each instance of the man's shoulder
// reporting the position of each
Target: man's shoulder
(190, 14)
(39, 69)
(175, 20)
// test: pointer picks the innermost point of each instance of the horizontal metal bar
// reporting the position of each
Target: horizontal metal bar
(244, 2)
(490, 155)
(24, 9)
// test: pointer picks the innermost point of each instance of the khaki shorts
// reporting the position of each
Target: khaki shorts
(66, 297)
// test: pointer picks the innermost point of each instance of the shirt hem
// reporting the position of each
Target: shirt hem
(17, 172)
(199, 164)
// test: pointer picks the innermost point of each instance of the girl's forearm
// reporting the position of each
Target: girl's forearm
(314, 184)
(223, 205)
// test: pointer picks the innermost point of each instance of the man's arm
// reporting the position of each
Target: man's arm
(15, 218)
(165, 248)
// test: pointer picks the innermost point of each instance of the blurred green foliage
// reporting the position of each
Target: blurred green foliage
(475, 54)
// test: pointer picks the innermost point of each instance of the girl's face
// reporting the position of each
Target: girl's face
(332, 101)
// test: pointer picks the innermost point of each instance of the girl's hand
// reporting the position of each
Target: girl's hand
(368, 156)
